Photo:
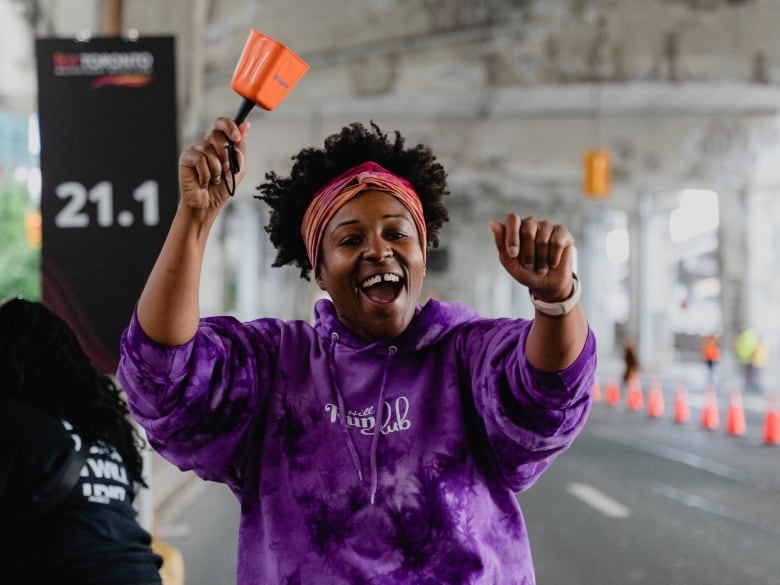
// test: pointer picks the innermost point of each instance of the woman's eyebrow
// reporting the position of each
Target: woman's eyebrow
(347, 222)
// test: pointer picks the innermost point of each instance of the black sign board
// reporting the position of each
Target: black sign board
(107, 115)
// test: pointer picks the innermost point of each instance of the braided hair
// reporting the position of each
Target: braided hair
(290, 196)
(42, 362)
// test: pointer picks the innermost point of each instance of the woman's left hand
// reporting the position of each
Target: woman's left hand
(537, 253)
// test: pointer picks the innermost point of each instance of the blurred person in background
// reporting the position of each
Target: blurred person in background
(630, 361)
(70, 463)
(710, 354)
(750, 356)
(758, 362)
(385, 443)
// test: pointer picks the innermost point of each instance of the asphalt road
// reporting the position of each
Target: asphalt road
(634, 501)
(620, 509)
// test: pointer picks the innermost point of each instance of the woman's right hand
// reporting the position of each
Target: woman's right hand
(201, 166)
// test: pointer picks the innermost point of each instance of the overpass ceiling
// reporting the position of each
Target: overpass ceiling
(534, 58)
(521, 58)
(642, 99)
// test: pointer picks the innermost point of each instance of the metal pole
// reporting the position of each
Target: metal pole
(112, 18)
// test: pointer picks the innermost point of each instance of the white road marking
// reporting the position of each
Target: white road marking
(598, 500)
(700, 503)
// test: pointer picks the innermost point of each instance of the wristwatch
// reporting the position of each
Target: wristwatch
(561, 308)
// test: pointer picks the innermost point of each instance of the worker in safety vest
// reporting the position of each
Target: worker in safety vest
(710, 353)
(752, 354)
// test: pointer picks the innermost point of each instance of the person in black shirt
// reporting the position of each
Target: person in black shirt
(54, 403)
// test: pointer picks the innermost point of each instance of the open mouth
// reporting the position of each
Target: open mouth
(382, 288)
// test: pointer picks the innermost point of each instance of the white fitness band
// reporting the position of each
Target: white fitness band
(563, 307)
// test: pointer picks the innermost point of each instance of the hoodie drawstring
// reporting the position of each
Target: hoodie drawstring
(340, 403)
(378, 425)
(343, 416)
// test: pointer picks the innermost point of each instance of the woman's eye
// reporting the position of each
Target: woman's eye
(349, 241)
(396, 235)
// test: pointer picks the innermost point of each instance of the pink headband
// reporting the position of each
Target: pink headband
(336, 192)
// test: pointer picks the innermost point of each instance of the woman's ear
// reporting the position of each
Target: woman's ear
(318, 279)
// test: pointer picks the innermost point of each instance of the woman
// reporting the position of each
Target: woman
(385, 443)
(53, 403)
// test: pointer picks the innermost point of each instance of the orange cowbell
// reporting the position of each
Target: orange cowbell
(265, 73)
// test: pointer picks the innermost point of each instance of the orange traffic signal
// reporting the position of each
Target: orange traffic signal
(597, 173)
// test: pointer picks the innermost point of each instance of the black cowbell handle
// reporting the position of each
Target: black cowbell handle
(243, 111)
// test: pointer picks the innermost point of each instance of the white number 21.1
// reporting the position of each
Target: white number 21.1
(73, 214)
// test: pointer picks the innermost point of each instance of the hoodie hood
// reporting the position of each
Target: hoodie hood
(431, 323)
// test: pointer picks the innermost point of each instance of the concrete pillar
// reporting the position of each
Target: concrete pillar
(732, 257)
(650, 282)
(634, 225)
(657, 280)
(212, 281)
(247, 233)
(598, 283)
(761, 283)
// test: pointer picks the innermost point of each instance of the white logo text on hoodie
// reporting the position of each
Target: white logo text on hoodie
(393, 417)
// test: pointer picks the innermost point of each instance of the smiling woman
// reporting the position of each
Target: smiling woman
(373, 265)
(386, 442)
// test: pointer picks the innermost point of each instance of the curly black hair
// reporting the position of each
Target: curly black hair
(42, 363)
(289, 197)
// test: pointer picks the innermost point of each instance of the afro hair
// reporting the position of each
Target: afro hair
(289, 197)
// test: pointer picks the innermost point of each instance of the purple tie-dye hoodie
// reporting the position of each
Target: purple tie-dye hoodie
(377, 463)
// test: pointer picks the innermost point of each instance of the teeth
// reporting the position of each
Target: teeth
(377, 278)
(372, 281)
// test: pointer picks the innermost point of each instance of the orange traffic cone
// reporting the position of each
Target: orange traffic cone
(612, 392)
(710, 419)
(635, 399)
(655, 401)
(682, 408)
(772, 423)
(595, 394)
(735, 419)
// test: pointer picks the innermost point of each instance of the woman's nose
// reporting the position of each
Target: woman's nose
(378, 248)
